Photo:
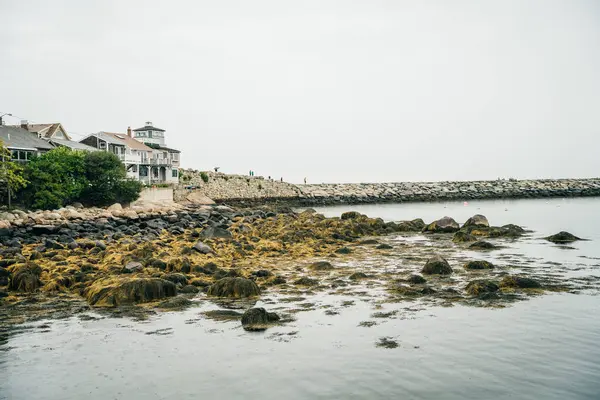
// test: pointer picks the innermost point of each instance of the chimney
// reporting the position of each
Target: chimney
(25, 124)
(129, 131)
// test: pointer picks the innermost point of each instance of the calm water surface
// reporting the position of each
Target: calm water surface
(542, 348)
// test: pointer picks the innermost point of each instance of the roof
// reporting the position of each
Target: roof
(170, 150)
(19, 138)
(124, 139)
(72, 145)
(47, 130)
(149, 128)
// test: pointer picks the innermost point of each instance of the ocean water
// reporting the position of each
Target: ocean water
(545, 347)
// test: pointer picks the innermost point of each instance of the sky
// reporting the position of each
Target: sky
(334, 91)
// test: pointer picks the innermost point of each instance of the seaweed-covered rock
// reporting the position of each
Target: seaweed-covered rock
(443, 225)
(437, 265)
(234, 288)
(477, 220)
(351, 215)
(384, 246)
(521, 282)
(463, 237)
(258, 319)
(369, 241)
(358, 276)
(482, 245)
(416, 225)
(562, 237)
(306, 281)
(478, 264)
(176, 278)
(321, 266)
(25, 277)
(416, 279)
(132, 266)
(262, 273)
(111, 292)
(175, 303)
(190, 289)
(481, 286)
(344, 250)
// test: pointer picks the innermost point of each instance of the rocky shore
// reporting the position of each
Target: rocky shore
(146, 260)
(237, 189)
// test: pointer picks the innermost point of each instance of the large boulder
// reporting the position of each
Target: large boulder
(351, 215)
(111, 292)
(416, 225)
(562, 237)
(482, 245)
(234, 288)
(321, 266)
(463, 237)
(443, 225)
(115, 207)
(437, 265)
(25, 277)
(477, 220)
(258, 319)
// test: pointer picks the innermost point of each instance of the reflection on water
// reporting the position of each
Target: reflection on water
(543, 348)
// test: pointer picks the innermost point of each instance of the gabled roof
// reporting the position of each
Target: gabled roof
(149, 128)
(127, 141)
(45, 130)
(72, 145)
(18, 138)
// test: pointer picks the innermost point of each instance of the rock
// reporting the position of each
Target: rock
(306, 281)
(111, 292)
(77, 205)
(130, 214)
(199, 199)
(215, 232)
(384, 246)
(132, 266)
(444, 225)
(478, 264)
(321, 266)
(190, 289)
(234, 288)
(115, 207)
(513, 281)
(343, 250)
(416, 225)
(369, 241)
(44, 229)
(258, 319)
(358, 276)
(562, 237)
(262, 273)
(176, 278)
(175, 303)
(3, 294)
(437, 265)
(202, 248)
(481, 286)
(25, 277)
(416, 279)
(463, 237)
(477, 220)
(351, 215)
(482, 245)
(160, 264)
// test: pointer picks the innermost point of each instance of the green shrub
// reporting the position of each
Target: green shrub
(128, 190)
(204, 176)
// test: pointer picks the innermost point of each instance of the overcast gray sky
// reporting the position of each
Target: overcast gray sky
(337, 91)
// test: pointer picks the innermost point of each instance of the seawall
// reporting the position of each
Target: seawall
(244, 190)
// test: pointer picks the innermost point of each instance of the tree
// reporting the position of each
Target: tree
(107, 180)
(57, 178)
(11, 173)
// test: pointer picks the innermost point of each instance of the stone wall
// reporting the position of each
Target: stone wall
(155, 195)
(237, 188)
(221, 187)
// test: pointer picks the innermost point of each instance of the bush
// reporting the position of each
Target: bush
(204, 176)
(128, 190)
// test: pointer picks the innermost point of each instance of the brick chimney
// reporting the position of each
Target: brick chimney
(25, 124)
(129, 131)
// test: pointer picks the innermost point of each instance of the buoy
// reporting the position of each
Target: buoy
(465, 204)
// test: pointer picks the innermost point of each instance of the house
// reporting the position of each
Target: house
(140, 160)
(22, 143)
(164, 159)
(55, 134)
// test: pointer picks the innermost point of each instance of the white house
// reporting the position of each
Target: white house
(162, 156)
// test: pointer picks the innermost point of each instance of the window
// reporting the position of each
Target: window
(134, 168)
(102, 145)
(21, 155)
(149, 134)
(143, 170)
(15, 155)
(174, 173)
(175, 156)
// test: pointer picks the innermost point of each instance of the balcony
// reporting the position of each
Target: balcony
(160, 161)
(130, 158)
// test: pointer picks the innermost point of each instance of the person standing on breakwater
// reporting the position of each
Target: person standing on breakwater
(305, 181)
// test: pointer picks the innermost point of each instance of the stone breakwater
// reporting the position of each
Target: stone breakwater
(237, 189)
